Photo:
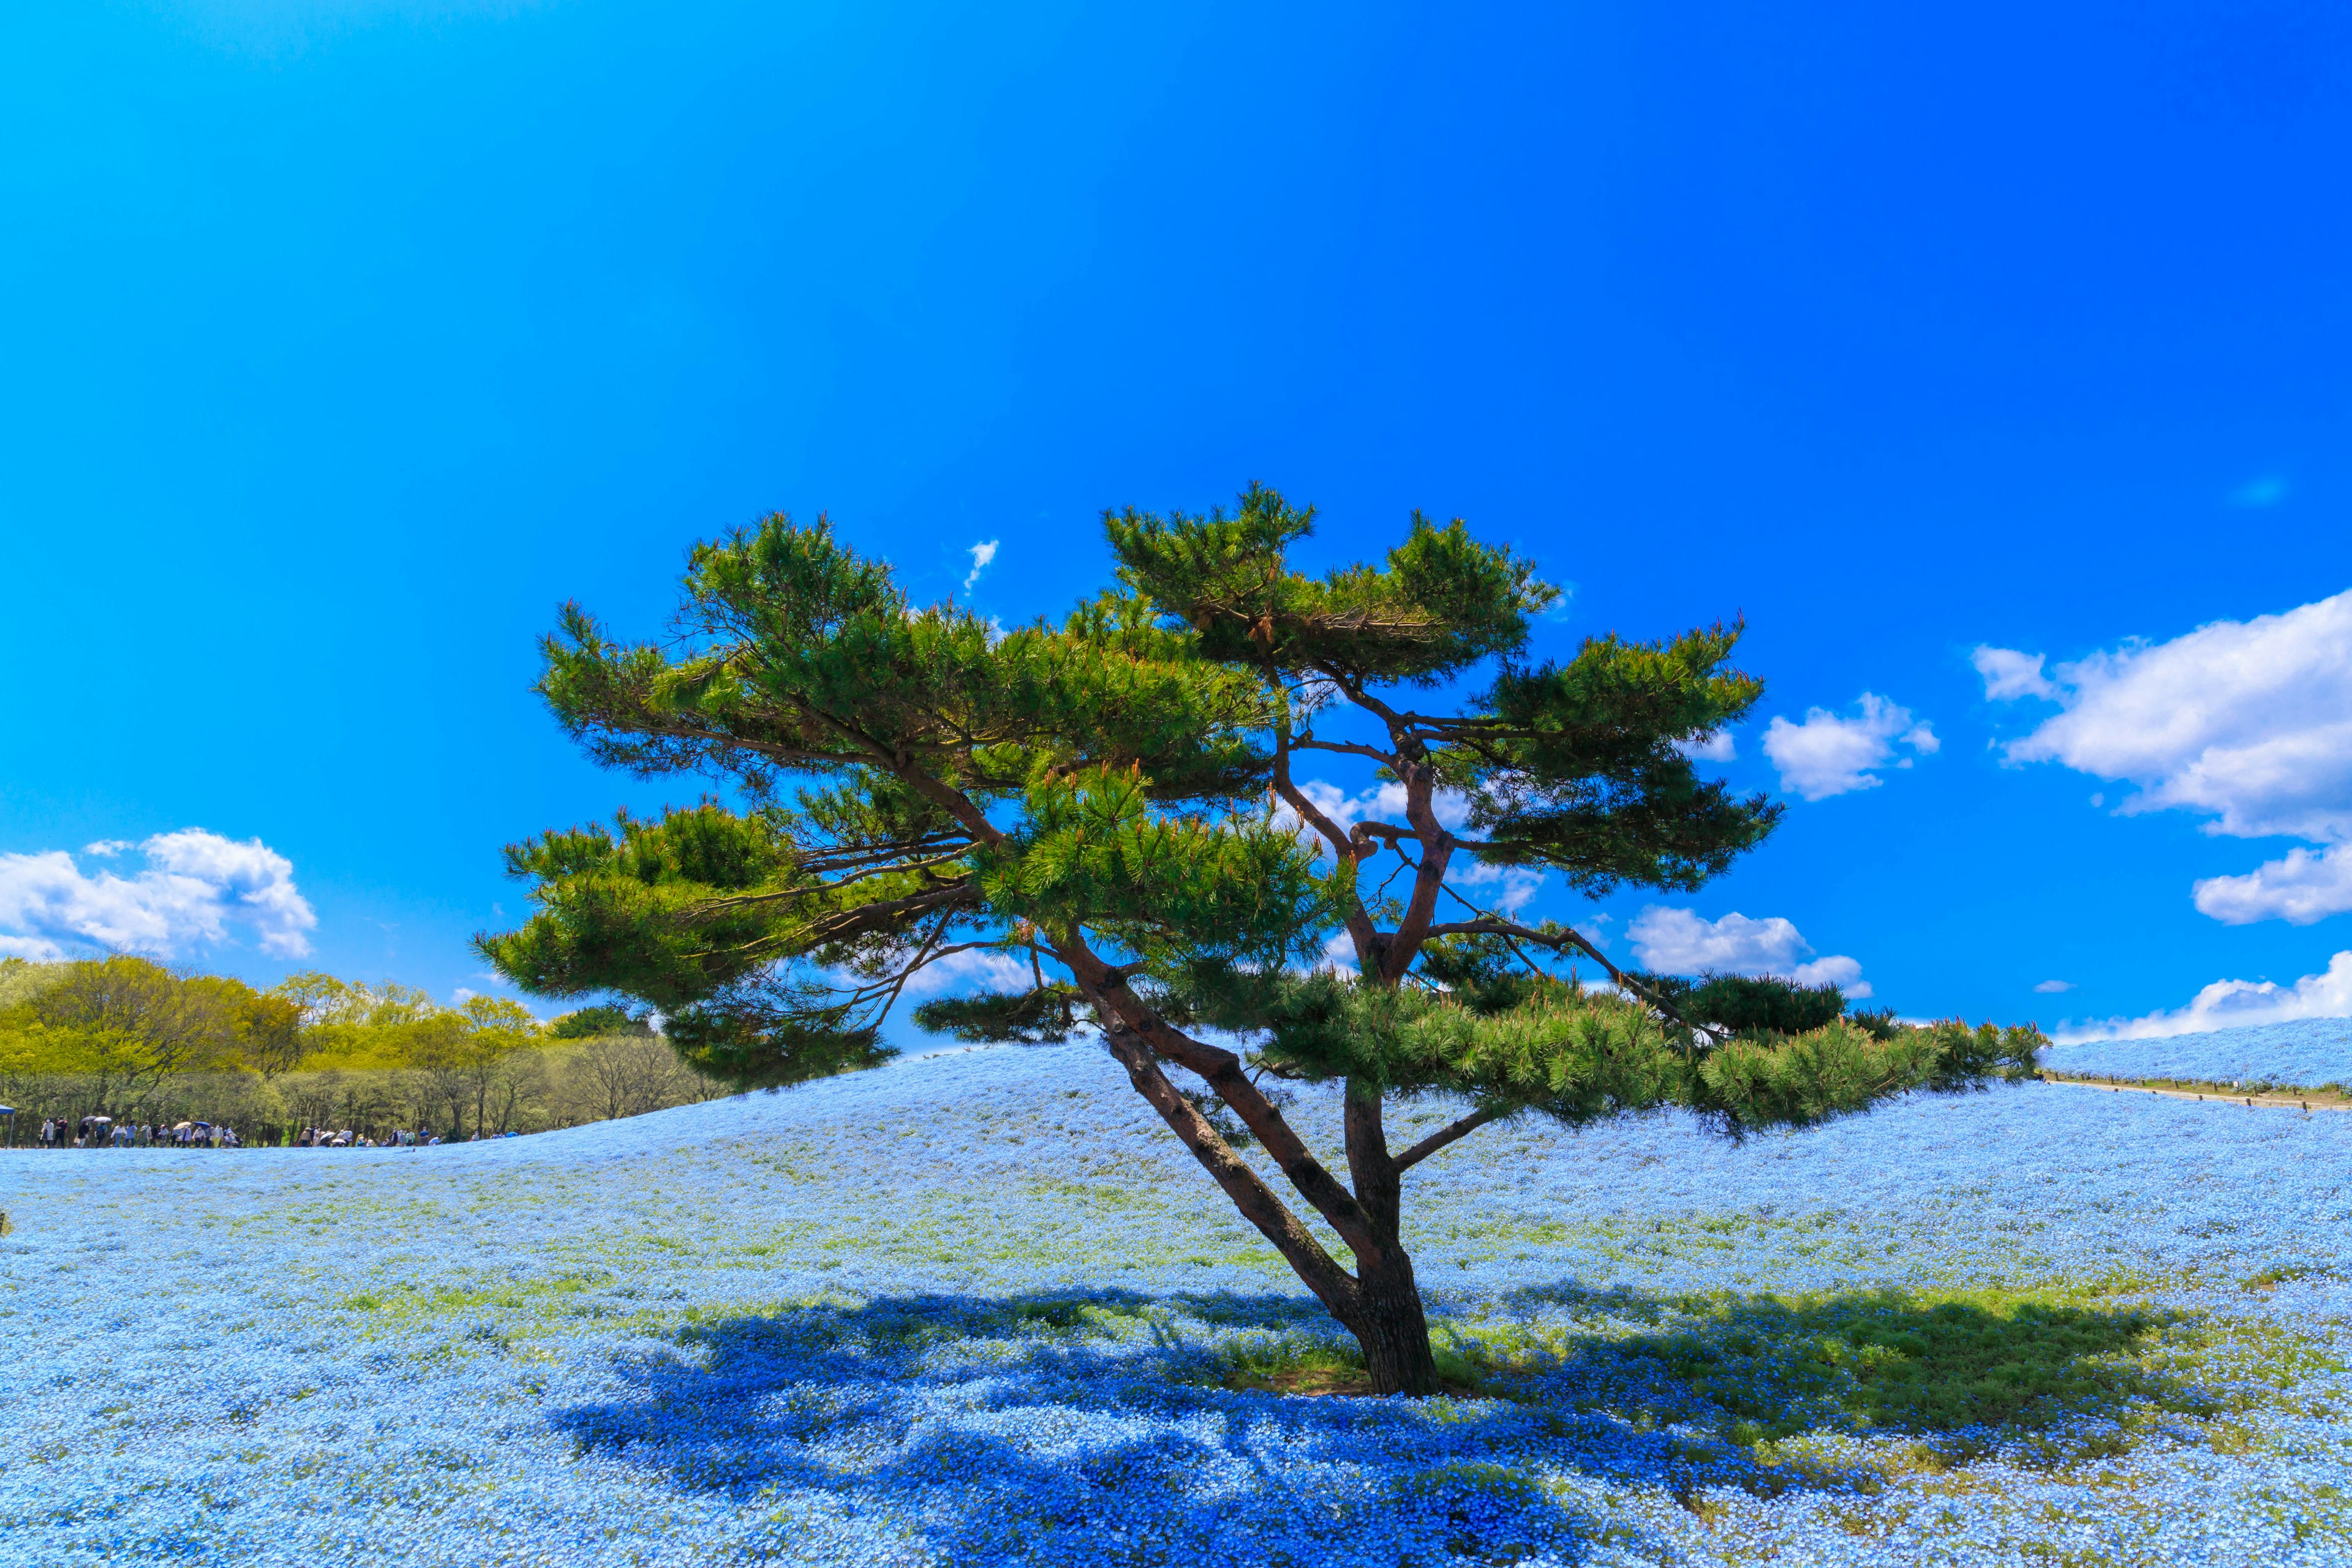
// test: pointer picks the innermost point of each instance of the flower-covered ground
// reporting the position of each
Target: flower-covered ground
(978, 1309)
(2311, 1053)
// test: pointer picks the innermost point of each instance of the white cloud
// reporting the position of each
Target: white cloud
(1714, 748)
(1381, 802)
(1516, 886)
(982, 555)
(974, 969)
(2228, 1003)
(108, 847)
(1681, 941)
(2301, 889)
(2052, 987)
(2249, 722)
(1827, 755)
(1837, 970)
(2010, 675)
(196, 886)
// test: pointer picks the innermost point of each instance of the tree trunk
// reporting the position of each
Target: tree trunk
(1386, 1317)
(1388, 1322)
(1379, 1303)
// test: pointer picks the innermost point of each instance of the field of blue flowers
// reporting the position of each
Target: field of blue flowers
(2312, 1053)
(978, 1309)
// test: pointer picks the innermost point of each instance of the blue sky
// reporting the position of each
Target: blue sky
(345, 339)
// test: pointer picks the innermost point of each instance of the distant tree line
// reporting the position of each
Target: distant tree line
(134, 1040)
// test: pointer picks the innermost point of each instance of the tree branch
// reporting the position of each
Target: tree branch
(1308, 812)
(1257, 1201)
(1360, 930)
(1309, 744)
(954, 802)
(1453, 1131)
(1223, 1072)
(1494, 925)
(930, 953)
(884, 915)
(1436, 851)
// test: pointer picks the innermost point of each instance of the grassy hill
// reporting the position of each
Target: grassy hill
(832, 1325)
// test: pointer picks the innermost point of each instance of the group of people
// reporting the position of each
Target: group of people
(400, 1137)
(105, 1132)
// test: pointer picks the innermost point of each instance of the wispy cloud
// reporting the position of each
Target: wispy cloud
(2268, 490)
(2010, 675)
(982, 555)
(1380, 803)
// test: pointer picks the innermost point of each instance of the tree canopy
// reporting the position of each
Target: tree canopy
(1116, 803)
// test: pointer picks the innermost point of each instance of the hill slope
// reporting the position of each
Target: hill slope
(977, 1307)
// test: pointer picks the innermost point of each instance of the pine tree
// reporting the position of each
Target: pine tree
(1118, 798)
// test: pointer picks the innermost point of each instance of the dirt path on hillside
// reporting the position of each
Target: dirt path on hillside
(2244, 1102)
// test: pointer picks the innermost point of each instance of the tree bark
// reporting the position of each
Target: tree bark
(1379, 1303)
(1388, 1322)
(1386, 1314)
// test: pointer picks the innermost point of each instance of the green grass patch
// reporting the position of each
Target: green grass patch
(2281, 1273)
(1961, 1371)
(1292, 1361)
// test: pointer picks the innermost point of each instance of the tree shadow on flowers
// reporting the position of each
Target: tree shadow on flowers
(1079, 1427)
(1958, 1376)
(1103, 1426)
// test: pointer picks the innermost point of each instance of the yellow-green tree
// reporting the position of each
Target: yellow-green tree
(125, 1023)
(477, 1051)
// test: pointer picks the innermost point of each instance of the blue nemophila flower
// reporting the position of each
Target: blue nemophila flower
(2310, 1053)
(833, 1326)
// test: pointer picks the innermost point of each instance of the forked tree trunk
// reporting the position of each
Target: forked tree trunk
(1390, 1325)
(1379, 1303)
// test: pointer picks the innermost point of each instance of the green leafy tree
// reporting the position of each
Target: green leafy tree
(125, 1023)
(271, 1036)
(1118, 798)
(590, 1023)
(480, 1053)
